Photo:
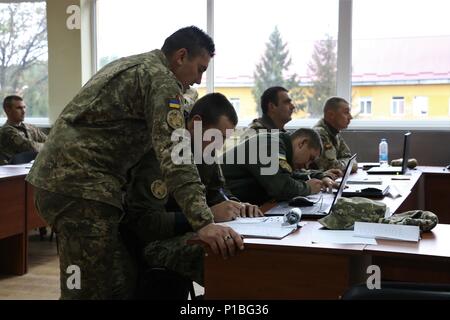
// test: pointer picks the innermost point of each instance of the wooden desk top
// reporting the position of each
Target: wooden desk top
(434, 244)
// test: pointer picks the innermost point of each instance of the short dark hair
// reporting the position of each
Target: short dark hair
(211, 107)
(8, 101)
(192, 38)
(270, 95)
(312, 136)
(333, 103)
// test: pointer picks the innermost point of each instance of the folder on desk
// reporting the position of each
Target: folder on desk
(266, 227)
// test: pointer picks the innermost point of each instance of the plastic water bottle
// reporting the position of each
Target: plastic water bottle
(383, 152)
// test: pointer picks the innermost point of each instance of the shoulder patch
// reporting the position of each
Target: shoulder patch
(174, 103)
(285, 165)
(175, 119)
(159, 189)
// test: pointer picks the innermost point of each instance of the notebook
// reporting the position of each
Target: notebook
(395, 170)
(323, 202)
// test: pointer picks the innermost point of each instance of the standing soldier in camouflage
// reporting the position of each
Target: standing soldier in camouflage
(15, 135)
(130, 107)
(336, 153)
(153, 215)
(277, 109)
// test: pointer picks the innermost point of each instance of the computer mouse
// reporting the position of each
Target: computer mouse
(300, 201)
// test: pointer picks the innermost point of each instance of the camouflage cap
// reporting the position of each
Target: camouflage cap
(348, 210)
(426, 220)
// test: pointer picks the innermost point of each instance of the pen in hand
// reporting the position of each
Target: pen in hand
(223, 194)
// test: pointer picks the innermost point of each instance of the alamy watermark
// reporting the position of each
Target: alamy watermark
(74, 280)
(374, 280)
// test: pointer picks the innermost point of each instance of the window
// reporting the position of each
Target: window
(402, 58)
(398, 106)
(287, 33)
(24, 55)
(365, 105)
(236, 102)
(134, 26)
(420, 106)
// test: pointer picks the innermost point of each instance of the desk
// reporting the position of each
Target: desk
(17, 216)
(295, 268)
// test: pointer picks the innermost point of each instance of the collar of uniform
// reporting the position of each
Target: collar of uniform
(162, 57)
(329, 128)
(20, 125)
(285, 139)
(268, 123)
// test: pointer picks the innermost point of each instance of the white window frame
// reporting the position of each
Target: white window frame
(236, 102)
(394, 105)
(363, 105)
(343, 76)
(417, 109)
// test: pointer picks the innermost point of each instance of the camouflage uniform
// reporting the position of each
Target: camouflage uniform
(128, 108)
(336, 153)
(20, 138)
(154, 216)
(247, 183)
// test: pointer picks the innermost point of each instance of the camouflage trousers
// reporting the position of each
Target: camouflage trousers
(178, 256)
(88, 240)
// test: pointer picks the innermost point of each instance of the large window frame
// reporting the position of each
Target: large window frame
(344, 77)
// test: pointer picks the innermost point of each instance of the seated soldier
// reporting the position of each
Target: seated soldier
(15, 135)
(336, 153)
(249, 181)
(161, 228)
(277, 109)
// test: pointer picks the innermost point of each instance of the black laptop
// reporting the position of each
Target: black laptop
(395, 170)
(323, 202)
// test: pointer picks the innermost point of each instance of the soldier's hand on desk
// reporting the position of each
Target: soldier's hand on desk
(223, 240)
(250, 210)
(315, 185)
(333, 173)
(227, 210)
(328, 184)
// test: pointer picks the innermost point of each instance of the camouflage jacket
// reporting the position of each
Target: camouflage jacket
(336, 153)
(247, 182)
(152, 212)
(16, 139)
(128, 108)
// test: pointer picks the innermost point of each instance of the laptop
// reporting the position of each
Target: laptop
(323, 201)
(395, 170)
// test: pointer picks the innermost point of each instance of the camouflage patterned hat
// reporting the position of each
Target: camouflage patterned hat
(426, 220)
(348, 210)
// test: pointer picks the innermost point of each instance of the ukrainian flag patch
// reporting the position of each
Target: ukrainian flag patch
(174, 103)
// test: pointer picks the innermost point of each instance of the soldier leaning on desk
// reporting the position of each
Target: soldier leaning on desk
(15, 135)
(247, 181)
(153, 215)
(131, 106)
